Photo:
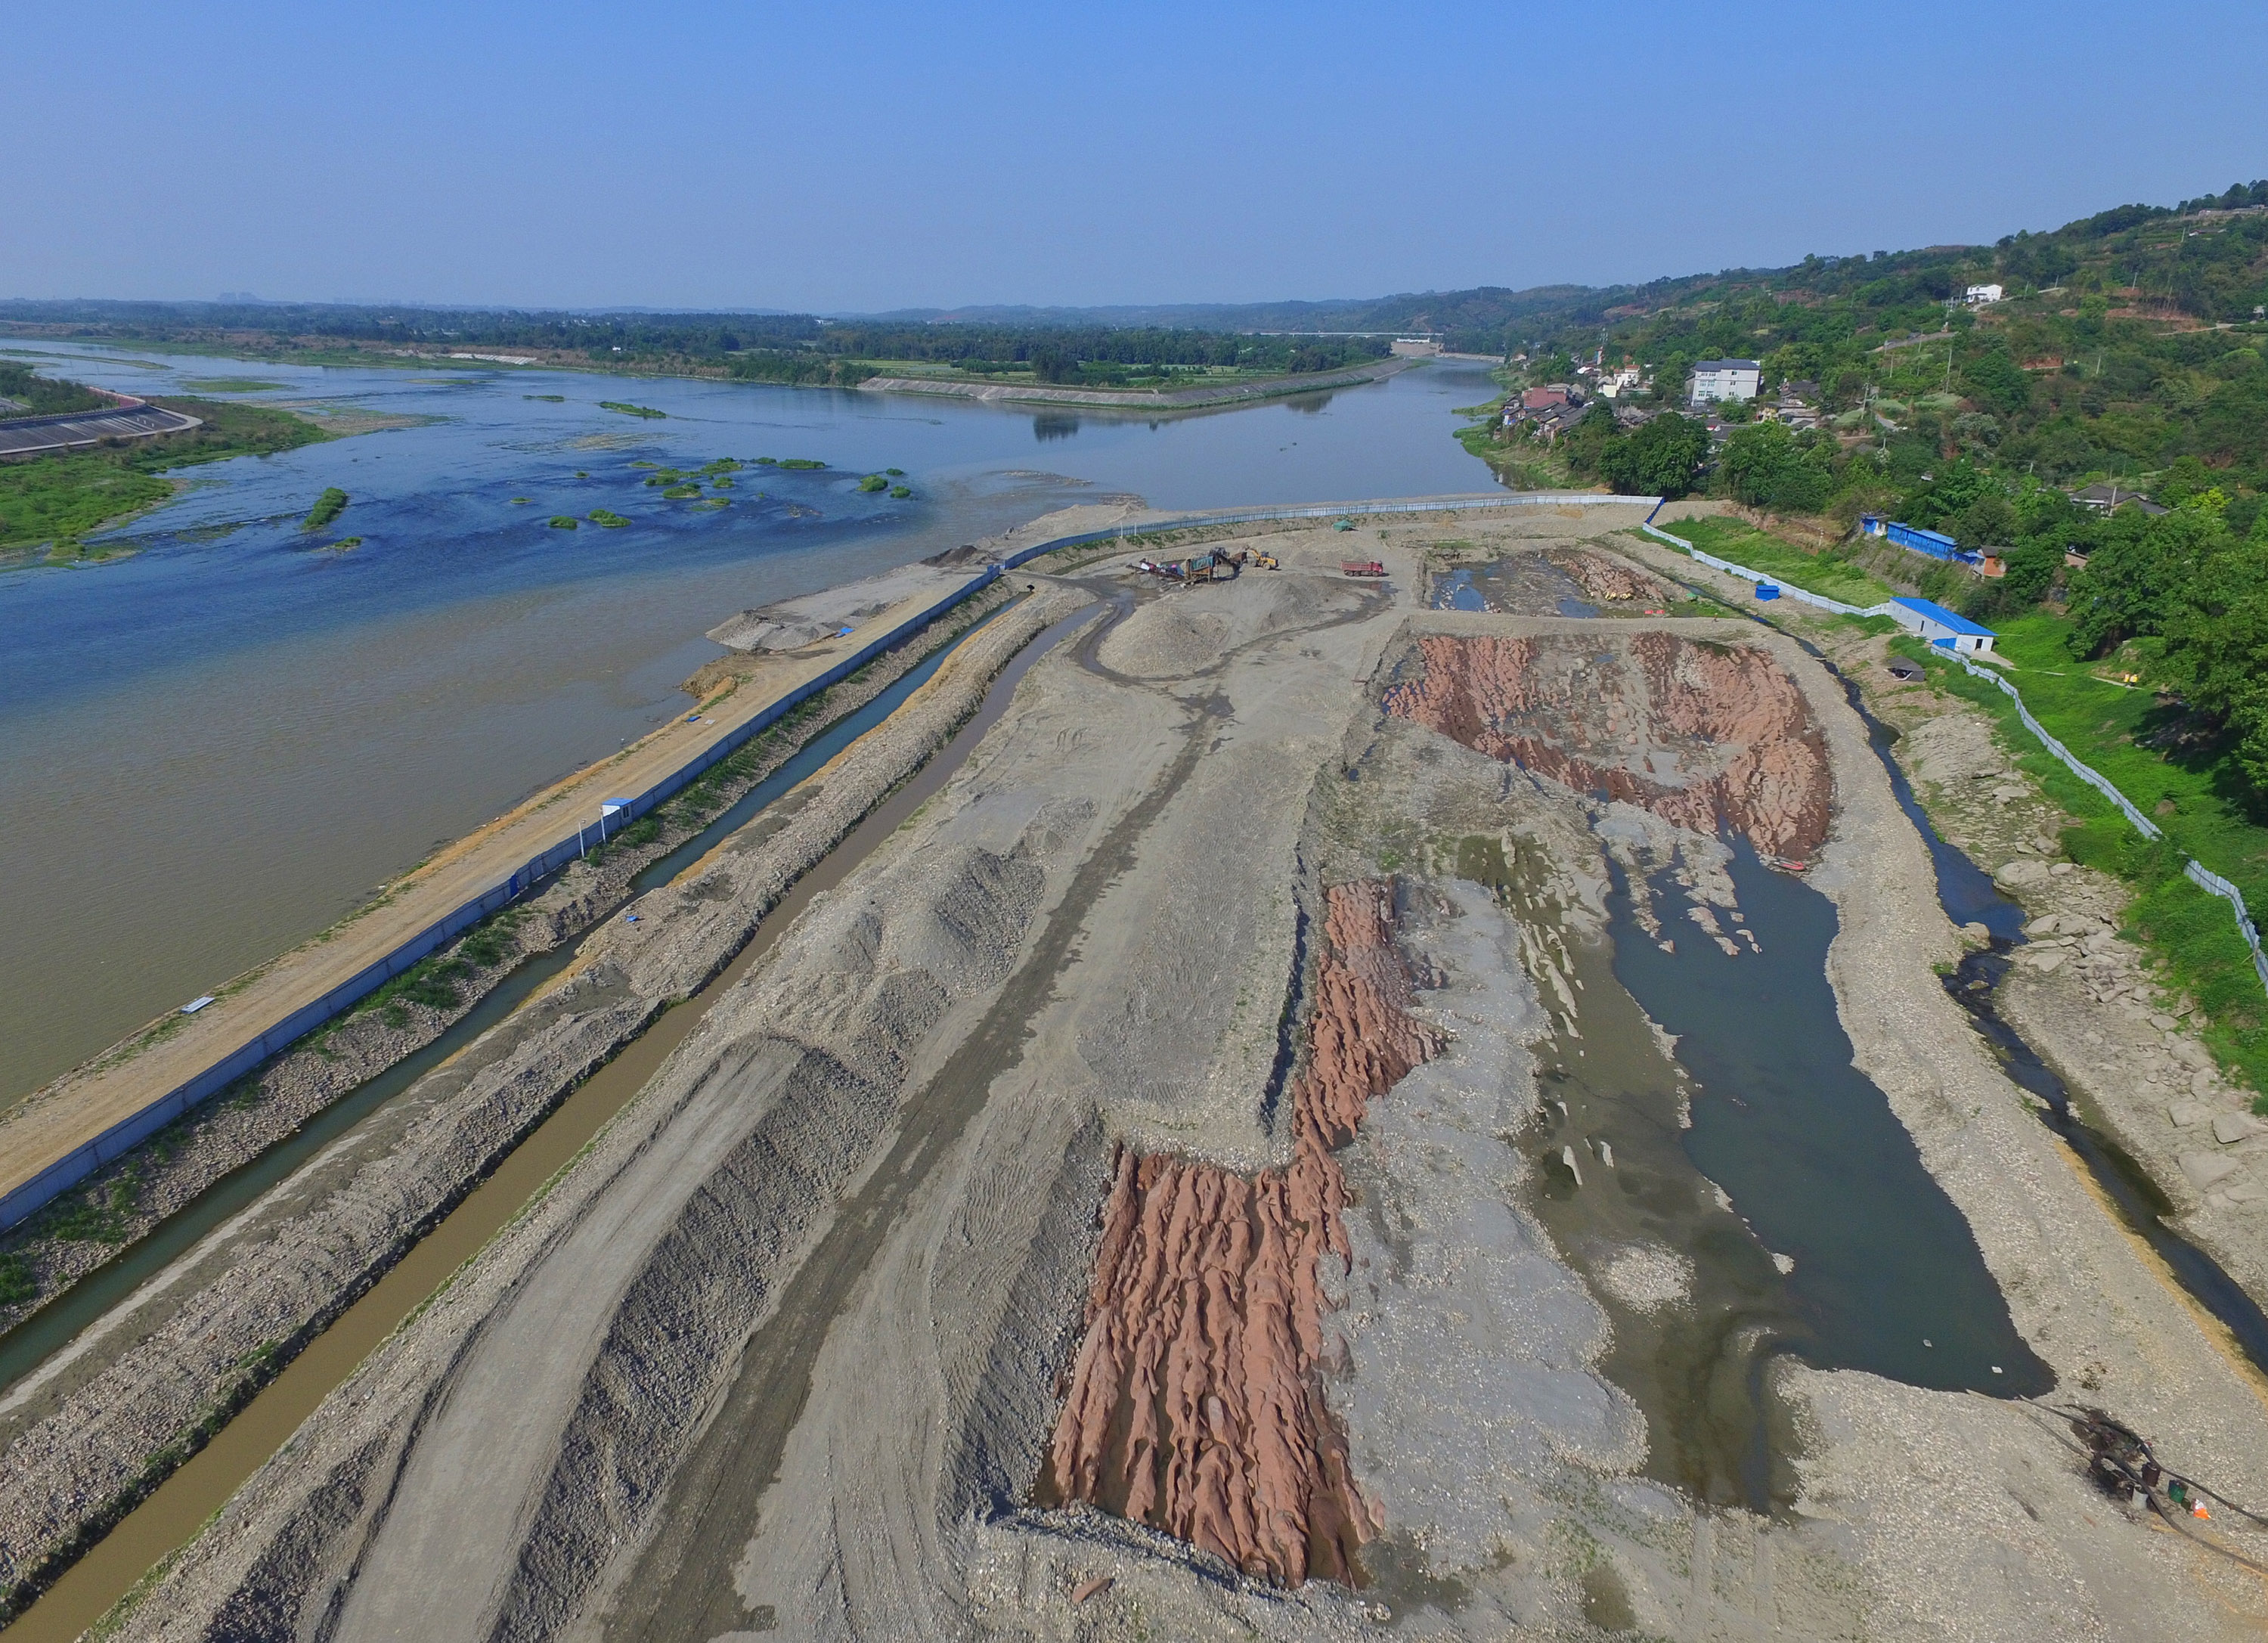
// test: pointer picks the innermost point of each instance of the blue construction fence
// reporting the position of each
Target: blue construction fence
(128, 1132)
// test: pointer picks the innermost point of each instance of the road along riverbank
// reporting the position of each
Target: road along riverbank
(786, 1347)
(88, 1454)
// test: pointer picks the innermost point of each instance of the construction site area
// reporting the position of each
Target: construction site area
(1379, 1074)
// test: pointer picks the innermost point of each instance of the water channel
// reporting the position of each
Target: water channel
(217, 746)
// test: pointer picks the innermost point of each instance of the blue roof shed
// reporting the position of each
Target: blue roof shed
(1939, 626)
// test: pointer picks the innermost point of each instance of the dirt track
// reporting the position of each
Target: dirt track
(784, 1350)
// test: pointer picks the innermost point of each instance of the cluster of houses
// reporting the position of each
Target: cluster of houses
(1545, 413)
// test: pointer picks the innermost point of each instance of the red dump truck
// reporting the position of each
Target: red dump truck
(1362, 567)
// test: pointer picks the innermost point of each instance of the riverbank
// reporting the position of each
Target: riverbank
(1138, 399)
(255, 1014)
(109, 1215)
(784, 1348)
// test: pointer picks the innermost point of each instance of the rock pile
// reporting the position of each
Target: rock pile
(1603, 578)
(1195, 1401)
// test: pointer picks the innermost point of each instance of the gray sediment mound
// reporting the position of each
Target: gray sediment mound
(104, 1439)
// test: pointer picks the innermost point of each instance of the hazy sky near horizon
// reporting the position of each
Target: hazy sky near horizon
(864, 156)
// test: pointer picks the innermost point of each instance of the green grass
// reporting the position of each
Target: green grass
(1825, 574)
(231, 385)
(564, 521)
(608, 518)
(628, 409)
(327, 507)
(798, 461)
(2192, 791)
(874, 482)
(548, 399)
(17, 1283)
(59, 498)
(900, 492)
(678, 493)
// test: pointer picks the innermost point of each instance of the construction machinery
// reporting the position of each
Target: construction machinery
(1362, 567)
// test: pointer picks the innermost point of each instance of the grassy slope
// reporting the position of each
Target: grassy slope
(2196, 798)
(1744, 544)
(61, 498)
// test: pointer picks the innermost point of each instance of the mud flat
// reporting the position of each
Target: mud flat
(971, 1179)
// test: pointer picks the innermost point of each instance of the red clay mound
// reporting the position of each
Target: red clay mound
(1195, 1401)
(1761, 764)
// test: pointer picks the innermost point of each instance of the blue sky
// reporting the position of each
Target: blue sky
(856, 156)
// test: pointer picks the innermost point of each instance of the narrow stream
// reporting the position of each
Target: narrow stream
(1968, 895)
(34, 1340)
(174, 1513)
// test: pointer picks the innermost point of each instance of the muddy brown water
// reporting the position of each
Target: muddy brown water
(174, 1511)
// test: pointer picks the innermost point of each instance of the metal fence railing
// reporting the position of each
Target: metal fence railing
(2198, 874)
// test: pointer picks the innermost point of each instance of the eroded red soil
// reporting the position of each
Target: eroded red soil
(1196, 1403)
(1749, 756)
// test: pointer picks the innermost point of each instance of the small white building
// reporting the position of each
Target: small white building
(1715, 379)
(1977, 295)
(1945, 629)
(1616, 383)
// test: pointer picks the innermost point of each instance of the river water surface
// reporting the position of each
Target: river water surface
(214, 748)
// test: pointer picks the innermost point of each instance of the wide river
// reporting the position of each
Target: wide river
(214, 748)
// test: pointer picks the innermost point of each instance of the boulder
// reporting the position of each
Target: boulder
(2182, 1114)
(2022, 870)
(2206, 1170)
(2232, 1127)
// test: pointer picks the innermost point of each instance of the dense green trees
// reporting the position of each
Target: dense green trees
(1662, 458)
(1766, 465)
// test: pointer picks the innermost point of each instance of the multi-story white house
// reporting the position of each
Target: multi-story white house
(1716, 379)
(1977, 295)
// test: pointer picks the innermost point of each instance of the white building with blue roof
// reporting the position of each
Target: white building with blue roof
(1946, 628)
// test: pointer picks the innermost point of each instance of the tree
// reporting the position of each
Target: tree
(2146, 571)
(1660, 459)
(2214, 643)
